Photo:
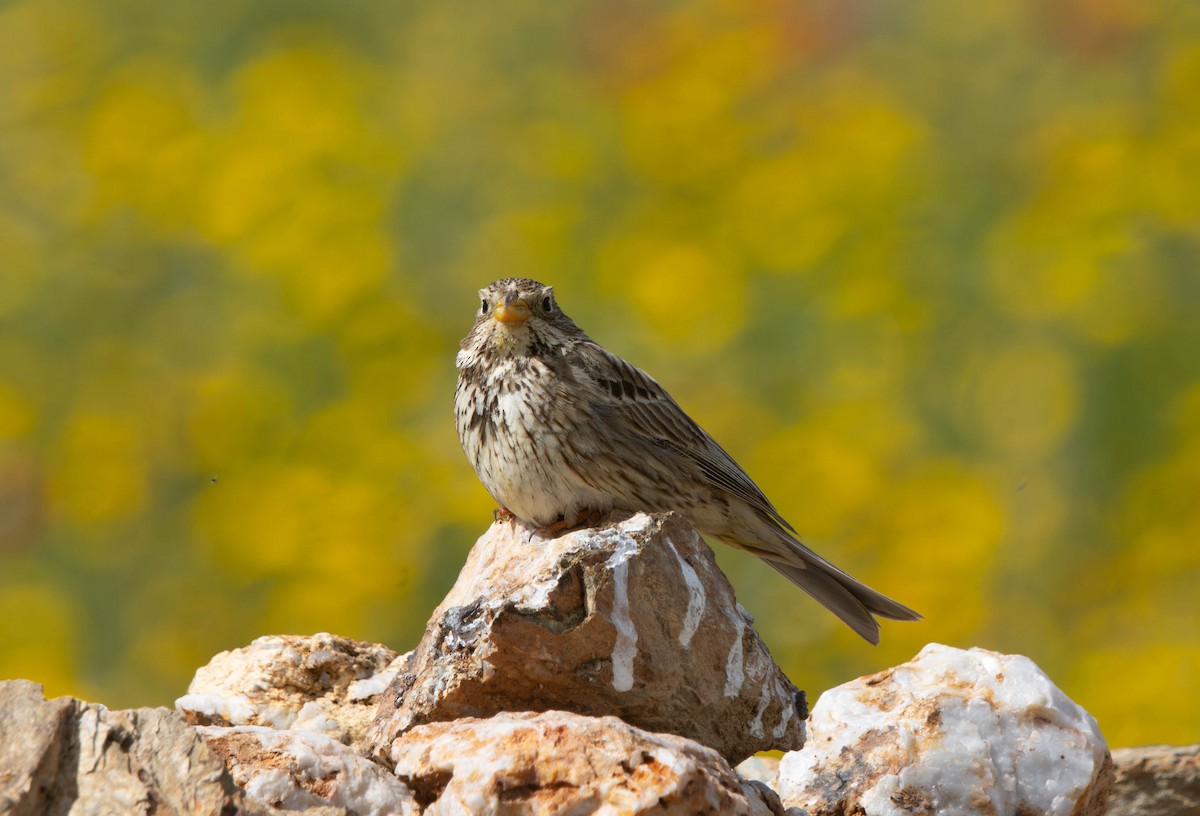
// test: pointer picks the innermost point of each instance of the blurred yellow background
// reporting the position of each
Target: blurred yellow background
(928, 270)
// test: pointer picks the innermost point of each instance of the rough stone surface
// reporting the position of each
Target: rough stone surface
(951, 732)
(294, 770)
(31, 732)
(1157, 780)
(556, 763)
(326, 684)
(632, 619)
(764, 769)
(64, 756)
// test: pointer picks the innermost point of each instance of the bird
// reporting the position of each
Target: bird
(559, 430)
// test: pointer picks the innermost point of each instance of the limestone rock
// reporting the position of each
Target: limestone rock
(323, 683)
(32, 730)
(1156, 780)
(66, 756)
(293, 770)
(632, 619)
(951, 732)
(555, 762)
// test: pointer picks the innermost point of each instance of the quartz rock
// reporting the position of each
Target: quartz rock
(950, 732)
(632, 619)
(323, 683)
(295, 770)
(555, 762)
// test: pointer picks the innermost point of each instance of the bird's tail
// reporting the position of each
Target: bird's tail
(855, 603)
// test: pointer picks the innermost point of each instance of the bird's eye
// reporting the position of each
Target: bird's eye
(484, 306)
(547, 305)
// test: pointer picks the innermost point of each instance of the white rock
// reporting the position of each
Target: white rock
(294, 770)
(950, 732)
(323, 683)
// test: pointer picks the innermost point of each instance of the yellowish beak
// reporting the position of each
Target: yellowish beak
(515, 312)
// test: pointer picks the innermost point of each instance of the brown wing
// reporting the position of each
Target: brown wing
(646, 408)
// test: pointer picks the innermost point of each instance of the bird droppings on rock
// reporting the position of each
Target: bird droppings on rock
(950, 732)
(534, 624)
(561, 432)
(697, 597)
(590, 621)
(625, 646)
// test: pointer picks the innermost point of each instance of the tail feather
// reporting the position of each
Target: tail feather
(855, 603)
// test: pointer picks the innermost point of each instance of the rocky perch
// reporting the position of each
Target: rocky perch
(633, 620)
(608, 671)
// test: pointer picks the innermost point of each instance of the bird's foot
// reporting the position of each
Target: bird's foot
(587, 518)
(502, 514)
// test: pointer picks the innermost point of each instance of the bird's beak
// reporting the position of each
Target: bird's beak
(511, 310)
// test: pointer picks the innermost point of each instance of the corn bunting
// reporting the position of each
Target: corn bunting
(560, 430)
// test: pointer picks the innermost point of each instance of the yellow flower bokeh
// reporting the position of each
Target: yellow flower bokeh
(927, 270)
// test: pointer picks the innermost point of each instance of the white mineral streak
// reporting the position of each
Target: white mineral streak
(297, 770)
(772, 689)
(789, 709)
(697, 601)
(316, 718)
(764, 700)
(236, 708)
(734, 675)
(953, 731)
(276, 786)
(625, 648)
(372, 686)
(319, 683)
(561, 763)
(317, 657)
(634, 617)
(536, 595)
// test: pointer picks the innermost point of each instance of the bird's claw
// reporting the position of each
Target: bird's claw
(588, 518)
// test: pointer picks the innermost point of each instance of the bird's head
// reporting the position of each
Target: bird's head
(518, 316)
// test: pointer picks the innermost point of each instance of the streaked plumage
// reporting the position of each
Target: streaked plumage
(558, 429)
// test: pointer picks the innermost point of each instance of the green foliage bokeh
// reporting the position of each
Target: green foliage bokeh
(928, 270)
